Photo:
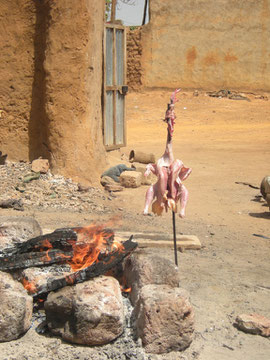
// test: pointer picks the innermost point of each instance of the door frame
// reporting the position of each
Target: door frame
(114, 88)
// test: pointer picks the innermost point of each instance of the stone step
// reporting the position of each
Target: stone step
(187, 242)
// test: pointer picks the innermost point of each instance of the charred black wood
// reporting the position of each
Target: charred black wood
(99, 268)
(62, 239)
(26, 260)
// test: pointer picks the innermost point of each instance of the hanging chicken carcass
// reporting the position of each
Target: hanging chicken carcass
(169, 188)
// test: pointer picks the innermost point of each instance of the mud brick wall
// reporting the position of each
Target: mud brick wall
(134, 53)
(208, 44)
(73, 88)
(17, 31)
(51, 84)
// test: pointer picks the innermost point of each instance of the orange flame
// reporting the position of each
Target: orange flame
(117, 246)
(92, 240)
(123, 284)
(30, 287)
(128, 290)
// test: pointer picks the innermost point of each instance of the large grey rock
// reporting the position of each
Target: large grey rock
(164, 319)
(15, 310)
(90, 313)
(15, 230)
(142, 269)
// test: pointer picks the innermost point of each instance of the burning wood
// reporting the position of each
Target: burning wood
(61, 239)
(98, 268)
(78, 245)
(89, 251)
(26, 260)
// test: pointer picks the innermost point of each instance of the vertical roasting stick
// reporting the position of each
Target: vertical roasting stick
(174, 239)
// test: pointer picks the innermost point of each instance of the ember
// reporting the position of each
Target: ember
(29, 286)
(128, 290)
(45, 244)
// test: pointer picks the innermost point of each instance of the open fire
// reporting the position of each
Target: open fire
(88, 251)
(92, 241)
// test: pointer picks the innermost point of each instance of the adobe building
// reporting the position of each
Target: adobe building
(52, 78)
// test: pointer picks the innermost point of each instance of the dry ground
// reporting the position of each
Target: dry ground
(224, 141)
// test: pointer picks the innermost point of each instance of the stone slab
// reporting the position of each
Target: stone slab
(186, 242)
(189, 242)
(131, 179)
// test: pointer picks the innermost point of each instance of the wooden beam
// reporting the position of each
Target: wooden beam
(113, 10)
(187, 242)
(144, 12)
(27, 260)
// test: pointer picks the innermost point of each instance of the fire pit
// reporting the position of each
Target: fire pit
(89, 251)
(84, 305)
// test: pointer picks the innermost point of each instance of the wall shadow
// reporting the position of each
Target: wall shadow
(38, 124)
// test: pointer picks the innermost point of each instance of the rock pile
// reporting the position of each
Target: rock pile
(164, 317)
(93, 312)
(38, 190)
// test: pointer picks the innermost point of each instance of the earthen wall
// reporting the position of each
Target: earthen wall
(51, 84)
(134, 65)
(208, 44)
(17, 32)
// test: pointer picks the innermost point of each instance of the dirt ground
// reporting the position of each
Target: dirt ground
(224, 141)
(227, 144)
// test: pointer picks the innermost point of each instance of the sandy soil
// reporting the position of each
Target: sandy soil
(225, 142)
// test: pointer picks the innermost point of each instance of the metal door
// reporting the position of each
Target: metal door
(114, 129)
